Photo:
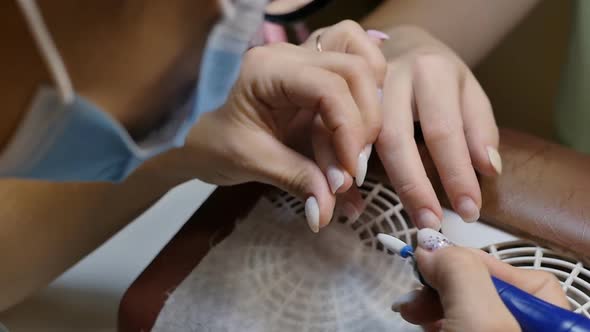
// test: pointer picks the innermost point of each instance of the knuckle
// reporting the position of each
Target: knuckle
(456, 175)
(427, 64)
(379, 65)
(396, 136)
(548, 278)
(393, 139)
(357, 68)
(256, 54)
(295, 182)
(359, 65)
(349, 26)
(374, 125)
(338, 86)
(278, 46)
(440, 131)
(408, 190)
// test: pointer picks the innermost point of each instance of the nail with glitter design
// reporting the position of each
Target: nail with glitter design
(430, 239)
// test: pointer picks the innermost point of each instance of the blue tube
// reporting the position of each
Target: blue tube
(536, 315)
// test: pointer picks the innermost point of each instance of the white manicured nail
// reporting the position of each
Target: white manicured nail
(427, 218)
(362, 165)
(312, 214)
(430, 239)
(467, 209)
(495, 159)
(335, 178)
(404, 299)
(368, 150)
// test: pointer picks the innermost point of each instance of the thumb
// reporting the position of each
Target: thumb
(467, 295)
(272, 162)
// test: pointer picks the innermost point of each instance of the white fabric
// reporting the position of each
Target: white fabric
(273, 274)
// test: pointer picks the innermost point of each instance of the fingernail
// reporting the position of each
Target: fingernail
(312, 214)
(379, 35)
(335, 178)
(350, 211)
(361, 167)
(495, 159)
(368, 150)
(467, 209)
(403, 300)
(427, 218)
(430, 239)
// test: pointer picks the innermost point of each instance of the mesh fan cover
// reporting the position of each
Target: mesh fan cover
(571, 273)
(385, 214)
(275, 262)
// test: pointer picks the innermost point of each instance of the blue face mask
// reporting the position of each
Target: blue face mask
(67, 138)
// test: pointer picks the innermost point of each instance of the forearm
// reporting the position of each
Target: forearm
(47, 227)
(472, 28)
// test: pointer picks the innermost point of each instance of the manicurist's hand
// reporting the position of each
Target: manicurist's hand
(329, 83)
(467, 299)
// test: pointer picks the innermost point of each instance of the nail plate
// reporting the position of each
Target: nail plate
(312, 214)
(379, 35)
(430, 239)
(495, 159)
(427, 218)
(335, 178)
(368, 150)
(362, 165)
(404, 299)
(467, 209)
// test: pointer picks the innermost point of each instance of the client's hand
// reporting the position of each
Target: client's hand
(427, 82)
(467, 299)
(281, 86)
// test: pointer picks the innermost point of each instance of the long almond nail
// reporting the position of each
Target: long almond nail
(362, 165)
(368, 150)
(467, 209)
(378, 35)
(430, 239)
(335, 178)
(312, 214)
(427, 218)
(495, 159)
(404, 299)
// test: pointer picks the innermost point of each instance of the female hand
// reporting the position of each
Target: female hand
(467, 299)
(427, 82)
(281, 85)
